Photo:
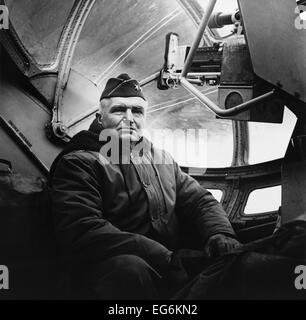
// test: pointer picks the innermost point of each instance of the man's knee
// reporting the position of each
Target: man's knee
(125, 277)
(130, 264)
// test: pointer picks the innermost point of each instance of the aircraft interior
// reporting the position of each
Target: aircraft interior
(232, 72)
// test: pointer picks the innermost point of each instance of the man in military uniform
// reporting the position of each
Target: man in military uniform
(121, 222)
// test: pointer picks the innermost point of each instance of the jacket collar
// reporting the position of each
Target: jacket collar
(89, 140)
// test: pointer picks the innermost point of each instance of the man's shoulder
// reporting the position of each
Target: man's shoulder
(81, 154)
(78, 162)
(79, 157)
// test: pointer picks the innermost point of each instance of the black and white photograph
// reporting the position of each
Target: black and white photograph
(152, 151)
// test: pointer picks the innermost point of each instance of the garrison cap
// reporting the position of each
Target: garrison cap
(122, 86)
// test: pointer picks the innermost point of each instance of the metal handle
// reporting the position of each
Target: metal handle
(227, 112)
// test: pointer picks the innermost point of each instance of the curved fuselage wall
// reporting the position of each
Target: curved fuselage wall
(22, 127)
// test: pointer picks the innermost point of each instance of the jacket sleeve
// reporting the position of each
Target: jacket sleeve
(79, 224)
(197, 206)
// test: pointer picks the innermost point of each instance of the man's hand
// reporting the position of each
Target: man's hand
(219, 244)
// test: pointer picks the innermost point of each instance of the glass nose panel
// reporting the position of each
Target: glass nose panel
(39, 24)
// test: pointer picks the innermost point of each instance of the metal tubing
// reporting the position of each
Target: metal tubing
(199, 74)
(195, 45)
(220, 19)
(195, 81)
(149, 79)
(222, 112)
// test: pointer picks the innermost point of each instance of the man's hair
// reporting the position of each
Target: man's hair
(103, 104)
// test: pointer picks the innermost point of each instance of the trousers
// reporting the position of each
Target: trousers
(123, 277)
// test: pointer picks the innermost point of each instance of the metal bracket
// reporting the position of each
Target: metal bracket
(56, 131)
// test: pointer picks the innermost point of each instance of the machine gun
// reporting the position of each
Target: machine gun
(257, 72)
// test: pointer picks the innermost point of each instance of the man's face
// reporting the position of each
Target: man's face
(126, 115)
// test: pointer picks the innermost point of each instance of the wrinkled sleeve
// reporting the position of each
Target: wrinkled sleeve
(197, 206)
(79, 223)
